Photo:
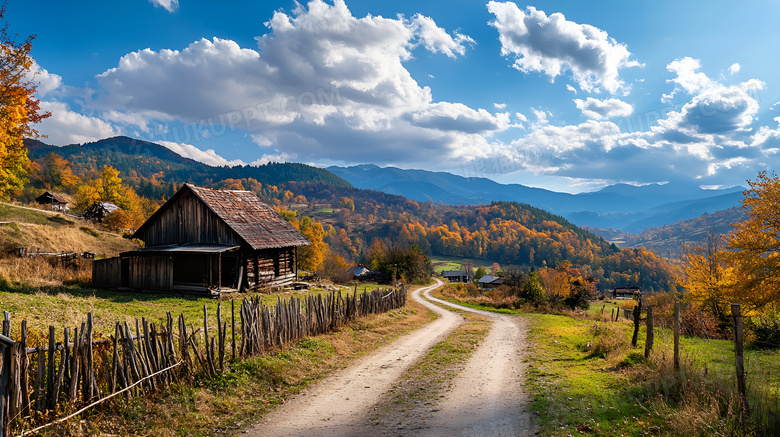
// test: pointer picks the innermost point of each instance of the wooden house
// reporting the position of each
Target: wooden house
(203, 239)
(626, 292)
(53, 201)
(456, 276)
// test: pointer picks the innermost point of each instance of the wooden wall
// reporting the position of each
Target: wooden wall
(151, 272)
(269, 267)
(107, 273)
(188, 221)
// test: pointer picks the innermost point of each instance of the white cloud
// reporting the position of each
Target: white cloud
(437, 39)
(208, 156)
(45, 81)
(68, 127)
(168, 5)
(603, 109)
(499, 105)
(735, 67)
(321, 85)
(686, 78)
(571, 88)
(552, 44)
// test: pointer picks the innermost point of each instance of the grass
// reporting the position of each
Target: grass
(55, 233)
(249, 389)
(584, 377)
(440, 263)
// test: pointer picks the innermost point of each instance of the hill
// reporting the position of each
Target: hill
(138, 160)
(621, 206)
(357, 222)
(667, 240)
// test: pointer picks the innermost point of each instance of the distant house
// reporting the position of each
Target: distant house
(206, 240)
(359, 271)
(54, 202)
(456, 276)
(626, 292)
(99, 210)
(490, 281)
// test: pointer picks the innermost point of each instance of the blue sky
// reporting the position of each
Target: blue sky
(570, 96)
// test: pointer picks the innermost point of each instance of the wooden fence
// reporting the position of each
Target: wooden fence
(58, 376)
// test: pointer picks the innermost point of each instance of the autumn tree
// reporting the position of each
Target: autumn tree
(53, 172)
(311, 257)
(109, 188)
(753, 248)
(19, 110)
(706, 276)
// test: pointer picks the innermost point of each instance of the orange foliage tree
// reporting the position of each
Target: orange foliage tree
(19, 110)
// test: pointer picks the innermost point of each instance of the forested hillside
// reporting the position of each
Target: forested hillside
(356, 225)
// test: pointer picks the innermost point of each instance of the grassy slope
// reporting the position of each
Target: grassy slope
(583, 373)
(55, 232)
(440, 263)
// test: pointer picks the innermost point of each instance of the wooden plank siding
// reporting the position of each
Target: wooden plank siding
(188, 220)
(151, 272)
(106, 273)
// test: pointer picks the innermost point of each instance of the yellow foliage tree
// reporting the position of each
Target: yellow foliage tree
(19, 110)
(311, 257)
(753, 247)
(707, 276)
(109, 188)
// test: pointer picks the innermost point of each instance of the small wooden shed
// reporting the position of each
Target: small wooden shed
(53, 201)
(203, 239)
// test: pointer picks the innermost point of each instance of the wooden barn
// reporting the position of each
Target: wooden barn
(53, 201)
(203, 239)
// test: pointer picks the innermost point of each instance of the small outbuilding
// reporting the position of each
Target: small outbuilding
(99, 210)
(626, 292)
(456, 276)
(207, 240)
(490, 281)
(359, 271)
(52, 201)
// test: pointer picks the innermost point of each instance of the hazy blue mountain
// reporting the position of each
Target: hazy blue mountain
(619, 206)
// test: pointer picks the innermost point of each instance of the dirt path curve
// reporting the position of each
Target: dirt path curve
(339, 405)
(487, 398)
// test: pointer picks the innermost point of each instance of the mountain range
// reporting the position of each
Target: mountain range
(625, 207)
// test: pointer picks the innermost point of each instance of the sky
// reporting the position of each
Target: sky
(567, 95)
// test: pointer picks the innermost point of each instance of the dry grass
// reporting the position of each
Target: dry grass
(248, 389)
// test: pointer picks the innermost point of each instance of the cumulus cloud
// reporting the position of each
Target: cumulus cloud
(571, 88)
(735, 67)
(68, 127)
(168, 5)
(552, 44)
(437, 39)
(208, 156)
(46, 82)
(603, 109)
(321, 84)
(499, 105)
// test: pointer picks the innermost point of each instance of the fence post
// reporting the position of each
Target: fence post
(650, 334)
(739, 354)
(677, 336)
(637, 315)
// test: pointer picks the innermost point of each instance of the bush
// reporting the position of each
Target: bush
(765, 329)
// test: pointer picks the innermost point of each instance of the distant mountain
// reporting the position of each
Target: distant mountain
(147, 159)
(667, 240)
(620, 206)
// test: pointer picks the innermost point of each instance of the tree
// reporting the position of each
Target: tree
(347, 203)
(753, 248)
(532, 290)
(706, 276)
(311, 257)
(479, 273)
(19, 110)
(54, 173)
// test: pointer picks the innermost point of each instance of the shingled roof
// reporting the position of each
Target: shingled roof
(255, 222)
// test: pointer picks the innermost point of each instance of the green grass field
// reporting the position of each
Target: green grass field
(440, 263)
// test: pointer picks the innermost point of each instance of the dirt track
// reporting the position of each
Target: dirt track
(487, 398)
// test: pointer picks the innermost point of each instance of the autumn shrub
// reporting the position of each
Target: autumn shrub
(765, 328)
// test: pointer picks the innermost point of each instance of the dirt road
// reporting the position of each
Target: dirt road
(486, 400)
